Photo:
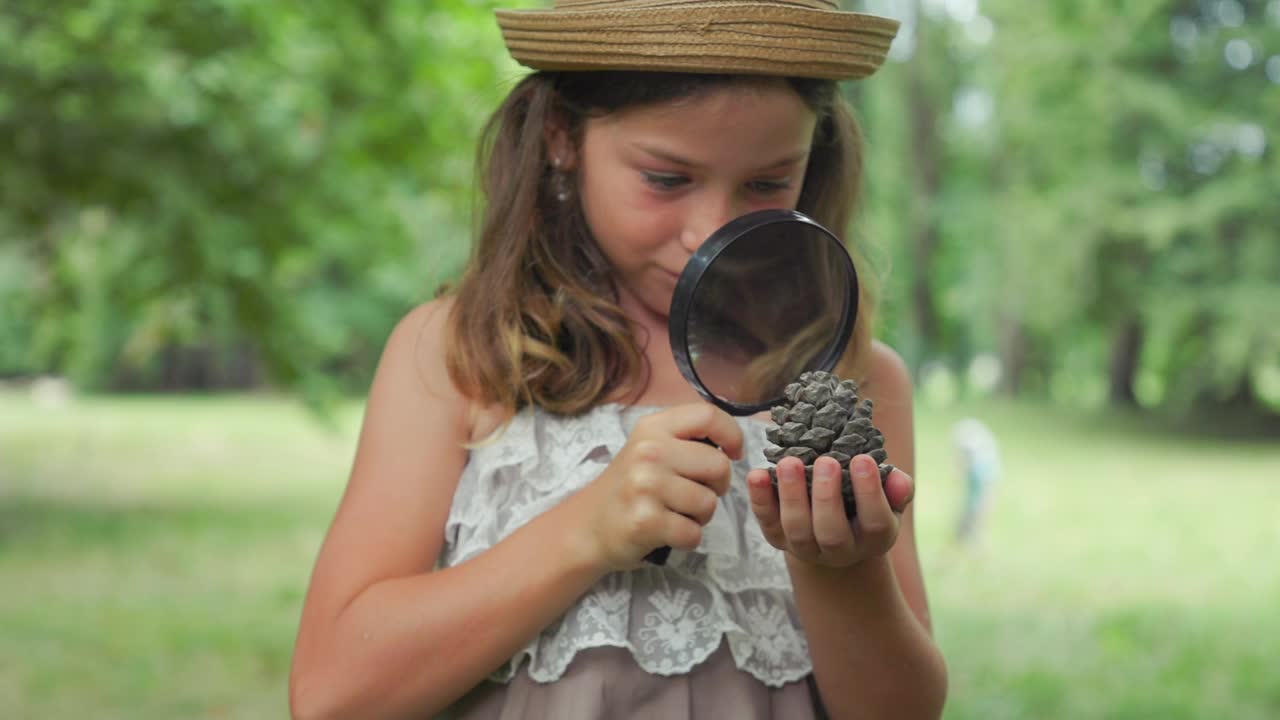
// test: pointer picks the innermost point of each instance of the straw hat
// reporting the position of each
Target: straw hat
(796, 38)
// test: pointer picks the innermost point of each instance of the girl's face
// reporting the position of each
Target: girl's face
(655, 181)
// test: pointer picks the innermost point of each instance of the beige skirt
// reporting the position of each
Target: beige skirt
(607, 683)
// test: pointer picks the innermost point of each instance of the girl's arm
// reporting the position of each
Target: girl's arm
(381, 635)
(864, 610)
(868, 625)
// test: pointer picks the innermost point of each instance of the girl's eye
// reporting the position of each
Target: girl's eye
(663, 181)
(768, 187)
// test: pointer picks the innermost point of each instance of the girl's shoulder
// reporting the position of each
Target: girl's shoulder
(887, 379)
(886, 366)
(414, 363)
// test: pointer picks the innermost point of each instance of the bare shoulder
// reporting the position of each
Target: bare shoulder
(414, 366)
(888, 377)
(409, 458)
(413, 361)
(888, 383)
(414, 412)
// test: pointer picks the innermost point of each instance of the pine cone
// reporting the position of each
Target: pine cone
(823, 416)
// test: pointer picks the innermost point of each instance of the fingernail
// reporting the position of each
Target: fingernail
(860, 470)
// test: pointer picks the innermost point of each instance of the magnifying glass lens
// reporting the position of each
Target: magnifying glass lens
(766, 298)
(771, 306)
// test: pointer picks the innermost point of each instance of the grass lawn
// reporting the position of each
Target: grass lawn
(154, 553)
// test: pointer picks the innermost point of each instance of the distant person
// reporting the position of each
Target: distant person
(529, 439)
(978, 457)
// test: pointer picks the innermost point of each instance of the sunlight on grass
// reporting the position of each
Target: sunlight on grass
(162, 546)
(155, 553)
(1123, 574)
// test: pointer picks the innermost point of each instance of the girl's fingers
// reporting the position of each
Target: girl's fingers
(764, 503)
(811, 523)
(690, 499)
(696, 421)
(682, 532)
(900, 489)
(694, 441)
(793, 508)
(875, 518)
(831, 529)
(703, 464)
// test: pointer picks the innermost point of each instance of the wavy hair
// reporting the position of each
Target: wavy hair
(535, 319)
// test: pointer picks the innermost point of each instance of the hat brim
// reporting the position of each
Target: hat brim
(746, 38)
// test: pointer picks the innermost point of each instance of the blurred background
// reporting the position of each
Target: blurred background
(213, 212)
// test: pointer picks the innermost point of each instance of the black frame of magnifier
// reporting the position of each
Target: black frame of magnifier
(696, 268)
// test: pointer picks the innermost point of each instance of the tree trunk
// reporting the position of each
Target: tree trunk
(1013, 356)
(1126, 352)
(926, 162)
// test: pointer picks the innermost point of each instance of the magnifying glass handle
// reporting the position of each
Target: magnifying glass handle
(658, 556)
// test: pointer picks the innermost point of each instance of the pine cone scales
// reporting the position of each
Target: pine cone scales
(824, 416)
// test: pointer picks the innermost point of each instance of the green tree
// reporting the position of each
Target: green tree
(1089, 188)
(220, 192)
(1136, 136)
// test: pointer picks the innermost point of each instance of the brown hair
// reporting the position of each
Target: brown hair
(536, 320)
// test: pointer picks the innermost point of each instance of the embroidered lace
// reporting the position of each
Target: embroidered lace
(671, 618)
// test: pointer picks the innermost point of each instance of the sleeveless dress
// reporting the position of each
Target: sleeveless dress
(714, 633)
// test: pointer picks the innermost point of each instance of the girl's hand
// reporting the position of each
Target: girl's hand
(663, 486)
(817, 531)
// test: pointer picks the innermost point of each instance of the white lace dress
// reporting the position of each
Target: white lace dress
(714, 632)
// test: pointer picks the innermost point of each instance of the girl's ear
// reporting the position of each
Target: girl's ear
(560, 149)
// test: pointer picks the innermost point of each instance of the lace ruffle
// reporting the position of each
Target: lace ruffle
(733, 586)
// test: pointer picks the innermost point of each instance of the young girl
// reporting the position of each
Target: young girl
(529, 438)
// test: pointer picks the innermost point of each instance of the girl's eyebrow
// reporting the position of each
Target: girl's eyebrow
(661, 154)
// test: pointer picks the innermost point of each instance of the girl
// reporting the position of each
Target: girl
(529, 439)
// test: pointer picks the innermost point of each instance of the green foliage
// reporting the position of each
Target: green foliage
(222, 182)
(222, 193)
(172, 588)
(1116, 206)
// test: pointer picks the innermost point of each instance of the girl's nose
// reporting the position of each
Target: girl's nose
(705, 220)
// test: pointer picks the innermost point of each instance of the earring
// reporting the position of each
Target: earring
(559, 181)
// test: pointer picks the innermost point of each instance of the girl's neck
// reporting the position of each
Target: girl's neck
(663, 384)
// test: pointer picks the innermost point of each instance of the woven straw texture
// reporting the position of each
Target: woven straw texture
(796, 38)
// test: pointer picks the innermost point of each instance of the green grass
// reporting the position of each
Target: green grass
(154, 554)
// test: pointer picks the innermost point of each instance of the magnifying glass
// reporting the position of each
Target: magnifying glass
(768, 296)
